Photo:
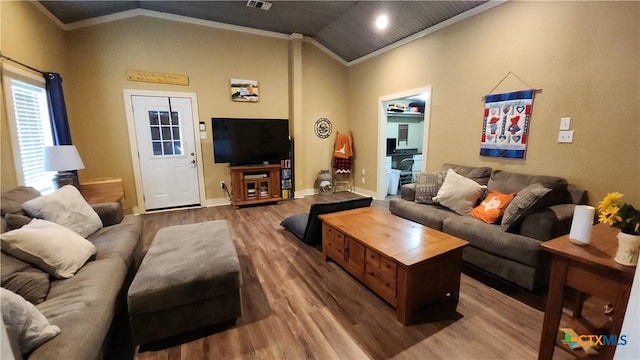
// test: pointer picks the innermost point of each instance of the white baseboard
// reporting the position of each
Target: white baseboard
(364, 192)
(216, 202)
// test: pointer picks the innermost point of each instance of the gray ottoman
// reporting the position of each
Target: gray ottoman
(189, 279)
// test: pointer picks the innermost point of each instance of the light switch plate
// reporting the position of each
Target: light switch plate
(565, 136)
(565, 123)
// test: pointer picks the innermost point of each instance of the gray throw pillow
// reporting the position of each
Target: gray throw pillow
(16, 221)
(296, 224)
(23, 279)
(427, 185)
(24, 322)
(524, 202)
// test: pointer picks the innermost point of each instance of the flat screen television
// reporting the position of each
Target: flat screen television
(241, 141)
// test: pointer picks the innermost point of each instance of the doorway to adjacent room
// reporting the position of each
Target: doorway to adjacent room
(403, 136)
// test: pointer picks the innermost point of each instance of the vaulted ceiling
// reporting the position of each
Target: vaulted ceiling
(346, 28)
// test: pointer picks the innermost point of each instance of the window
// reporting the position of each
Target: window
(403, 133)
(28, 115)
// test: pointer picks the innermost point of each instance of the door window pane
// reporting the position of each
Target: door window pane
(167, 148)
(166, 133)
(177, 148)
(157, 148)
(153, 118)
(164, 118)
(155, 133)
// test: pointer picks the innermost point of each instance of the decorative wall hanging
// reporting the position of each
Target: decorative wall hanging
(505, 128)
(158, 78)
(322, 128)
(244, 90)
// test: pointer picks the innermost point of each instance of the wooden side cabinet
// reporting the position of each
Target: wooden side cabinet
(102, 190)
(255, 184)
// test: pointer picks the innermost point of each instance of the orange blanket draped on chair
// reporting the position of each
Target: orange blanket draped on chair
(342, 153)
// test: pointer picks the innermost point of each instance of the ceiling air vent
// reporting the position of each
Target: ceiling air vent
(264, 5)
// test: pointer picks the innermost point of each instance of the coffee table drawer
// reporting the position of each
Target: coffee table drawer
(380, 273)
(388, 268)
(333, 243)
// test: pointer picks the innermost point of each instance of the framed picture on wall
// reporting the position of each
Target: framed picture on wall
(244, 90)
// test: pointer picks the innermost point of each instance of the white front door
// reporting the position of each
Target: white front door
(166, 148)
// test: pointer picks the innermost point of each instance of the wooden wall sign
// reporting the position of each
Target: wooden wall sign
(158, 78)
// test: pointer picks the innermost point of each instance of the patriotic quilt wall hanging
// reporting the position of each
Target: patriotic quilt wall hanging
(505, 128)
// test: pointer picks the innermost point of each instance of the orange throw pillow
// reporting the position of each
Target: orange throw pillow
(492, 207)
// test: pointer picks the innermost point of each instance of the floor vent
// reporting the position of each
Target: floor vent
(264, 5)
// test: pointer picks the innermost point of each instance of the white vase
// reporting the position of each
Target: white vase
(628, 249)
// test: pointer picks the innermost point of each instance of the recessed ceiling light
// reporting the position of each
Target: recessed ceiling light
(382, 21)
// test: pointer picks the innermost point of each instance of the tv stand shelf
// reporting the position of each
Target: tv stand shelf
(255, 184)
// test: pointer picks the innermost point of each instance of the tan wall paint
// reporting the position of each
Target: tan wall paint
(30, 37)
(324, 96)
(100, 55)
(583, 55)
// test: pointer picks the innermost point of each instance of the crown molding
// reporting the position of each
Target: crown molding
(310, 40)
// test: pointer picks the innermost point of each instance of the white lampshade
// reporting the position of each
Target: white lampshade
(62, 158)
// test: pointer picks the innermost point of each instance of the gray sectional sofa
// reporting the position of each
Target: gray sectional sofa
(84, 306)
(512, 255)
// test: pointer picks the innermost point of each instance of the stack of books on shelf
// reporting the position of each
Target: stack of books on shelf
(286, 178)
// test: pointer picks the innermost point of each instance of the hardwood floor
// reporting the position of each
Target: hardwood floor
(295, 305)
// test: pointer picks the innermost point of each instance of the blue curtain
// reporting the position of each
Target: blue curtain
(57, 109)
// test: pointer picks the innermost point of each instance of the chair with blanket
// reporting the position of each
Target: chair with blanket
(308, 228)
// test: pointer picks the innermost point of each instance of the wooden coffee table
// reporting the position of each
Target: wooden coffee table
(407, 264)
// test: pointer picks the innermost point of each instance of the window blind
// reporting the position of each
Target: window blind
(34, 133)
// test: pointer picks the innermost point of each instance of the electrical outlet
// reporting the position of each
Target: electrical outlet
(222, 185)
(565, 136)
(363, 179)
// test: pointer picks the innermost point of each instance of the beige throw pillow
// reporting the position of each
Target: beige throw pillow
(49, 246)
(65, 207)
(459, 193)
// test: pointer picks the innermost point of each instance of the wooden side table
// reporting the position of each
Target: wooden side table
(589, 269)
(102, 190)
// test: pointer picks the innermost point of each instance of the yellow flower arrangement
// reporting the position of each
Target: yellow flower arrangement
(619, 215)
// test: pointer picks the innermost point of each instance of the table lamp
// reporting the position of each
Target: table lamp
(65, 160)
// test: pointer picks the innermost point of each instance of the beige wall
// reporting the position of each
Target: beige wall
(30, 37)
(100, 55)
(584, 57)
(324, 95)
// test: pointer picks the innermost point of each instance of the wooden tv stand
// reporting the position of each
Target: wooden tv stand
(255, 184)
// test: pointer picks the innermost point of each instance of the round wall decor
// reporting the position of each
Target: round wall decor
(323, 128)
